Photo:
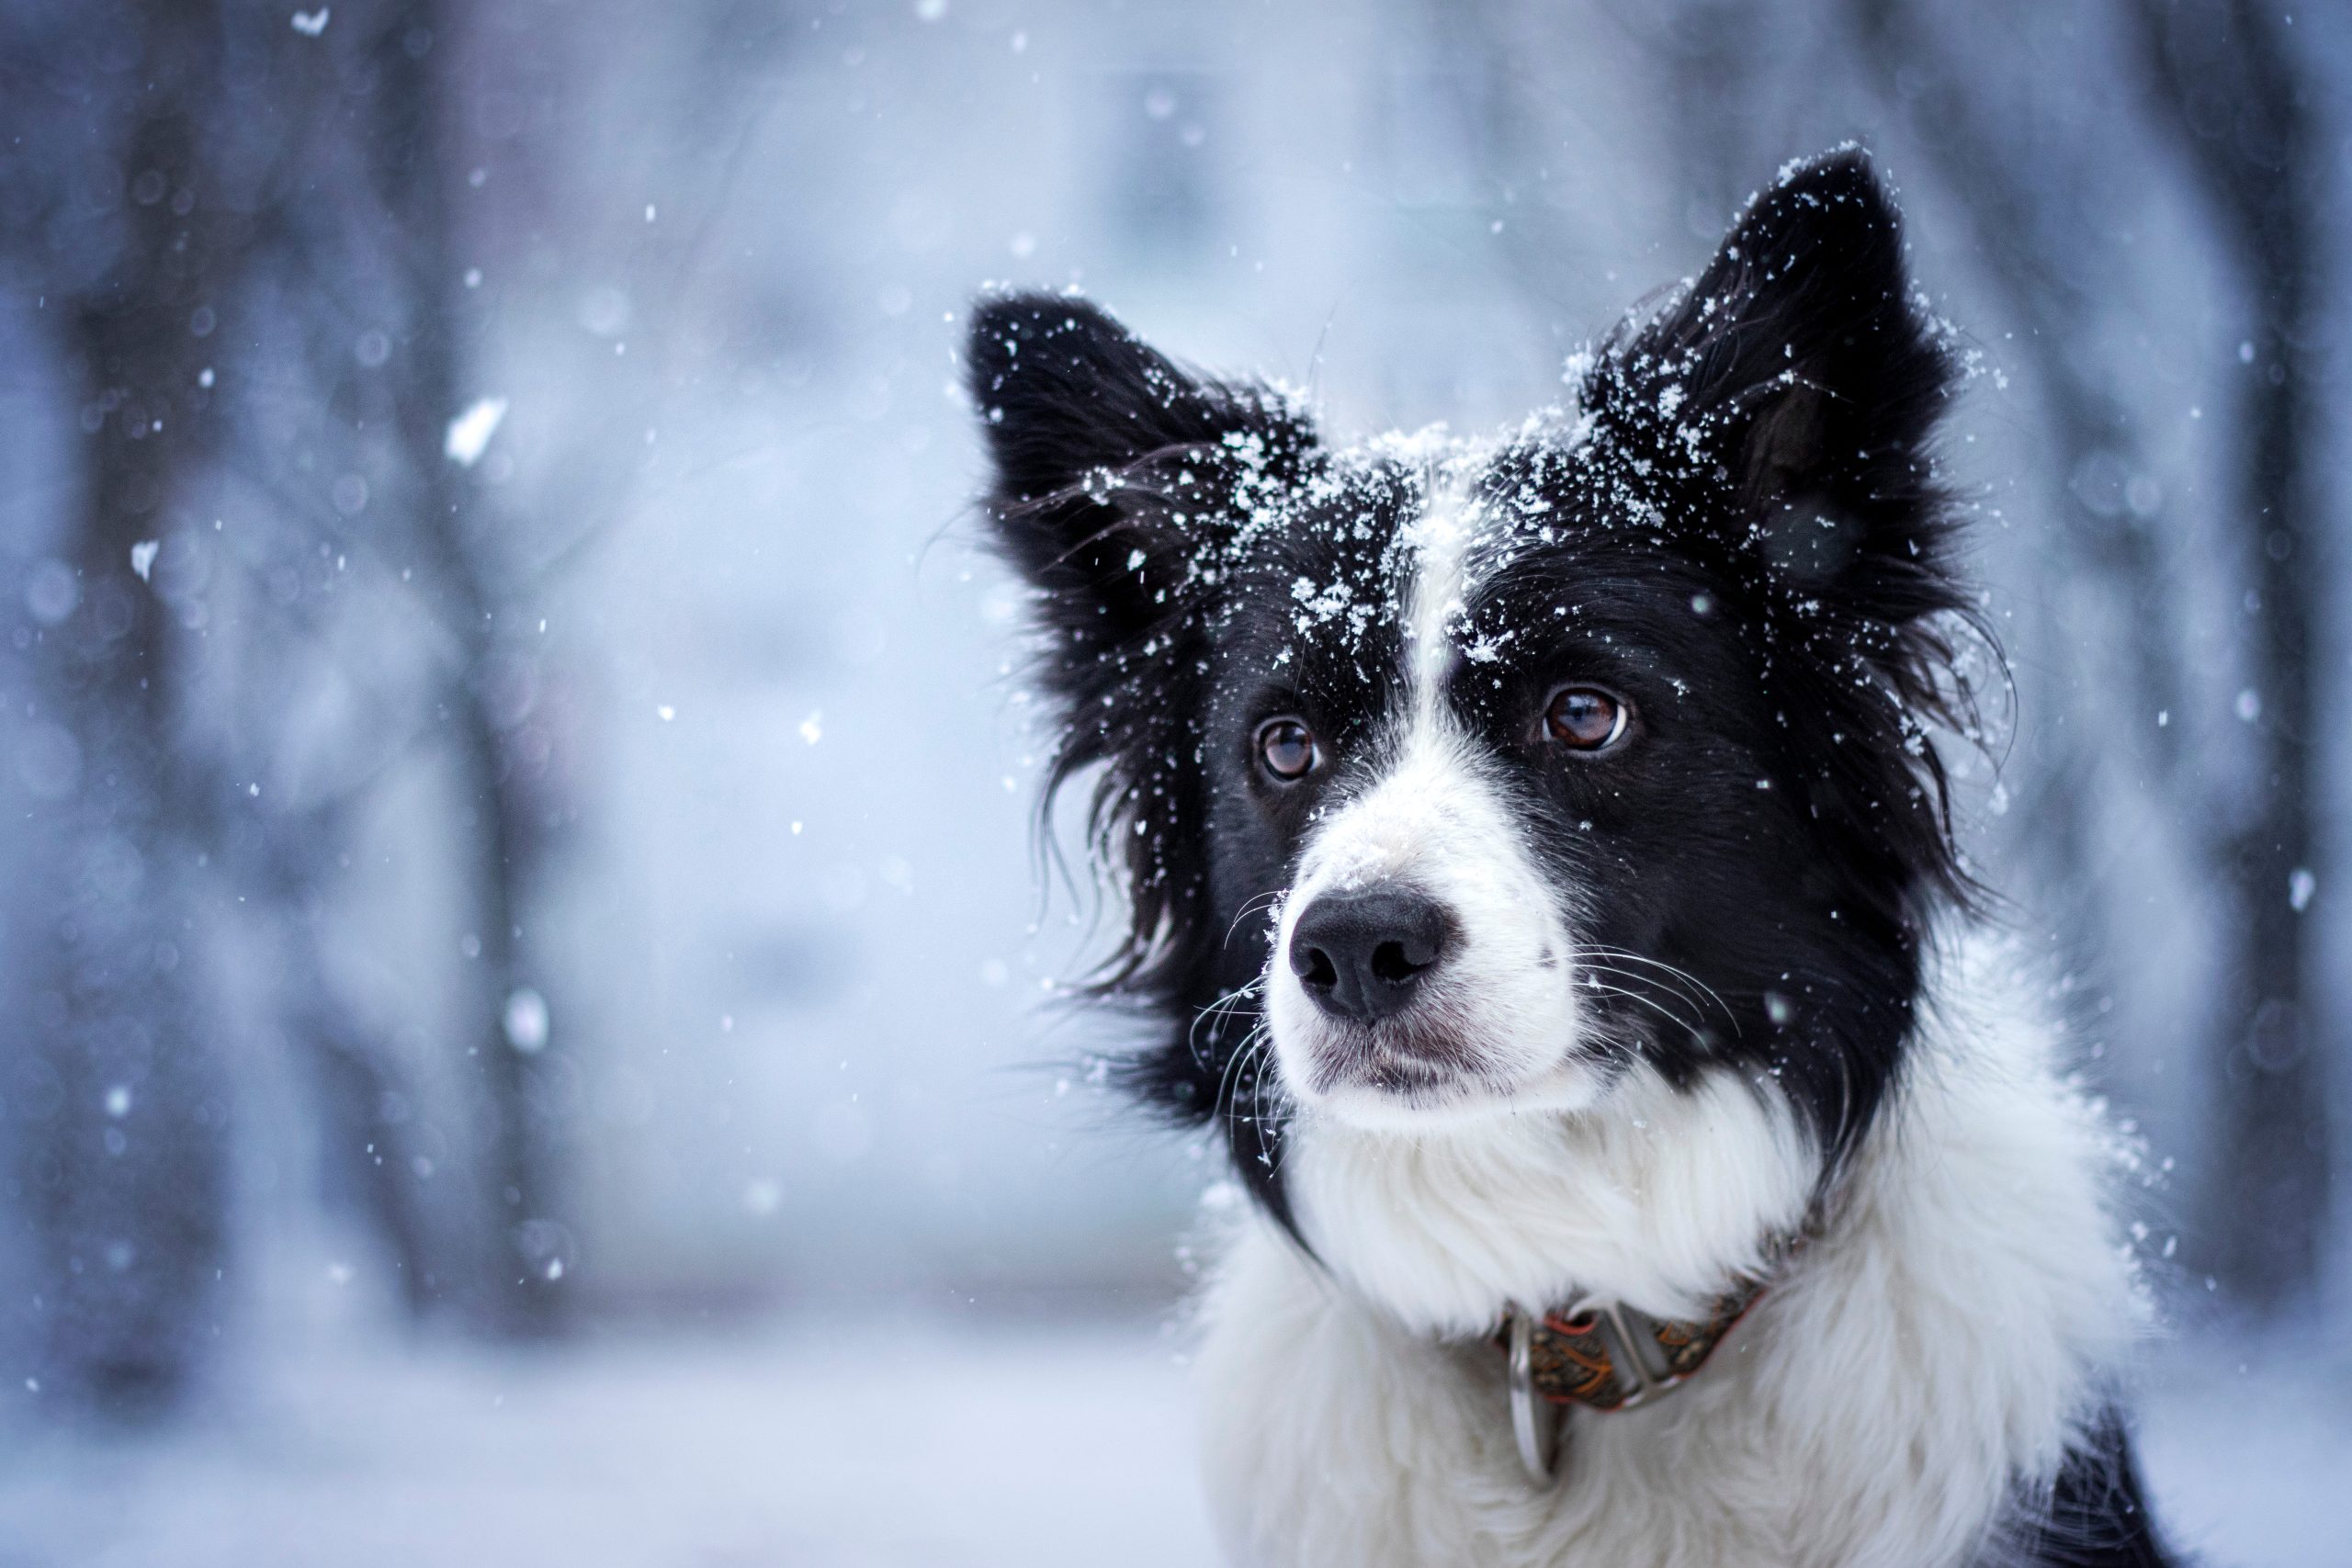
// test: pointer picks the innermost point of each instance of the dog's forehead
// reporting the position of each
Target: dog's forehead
(1393, 557)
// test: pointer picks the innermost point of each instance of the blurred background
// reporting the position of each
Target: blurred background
(530, 987)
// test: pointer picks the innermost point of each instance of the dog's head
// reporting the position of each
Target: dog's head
(1460, 777)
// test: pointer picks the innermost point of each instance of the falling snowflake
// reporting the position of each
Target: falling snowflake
(469, 432)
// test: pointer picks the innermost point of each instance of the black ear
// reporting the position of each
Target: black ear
(1799, 379)
(1120, 481)
(1776, 415)
(1114, 466)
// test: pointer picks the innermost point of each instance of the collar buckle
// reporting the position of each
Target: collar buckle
(1611, 1357)
(1536, 1421)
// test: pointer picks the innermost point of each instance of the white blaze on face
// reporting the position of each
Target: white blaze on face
(1502, 998)
(1440, 540)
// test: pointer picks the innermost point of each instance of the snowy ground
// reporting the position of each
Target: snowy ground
(817, 1446)
(2249, 1453)
(1022, 1444)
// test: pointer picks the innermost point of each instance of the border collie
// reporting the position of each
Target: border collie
(1541, 875)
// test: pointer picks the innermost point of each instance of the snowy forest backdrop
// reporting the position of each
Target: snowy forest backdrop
(515, 782)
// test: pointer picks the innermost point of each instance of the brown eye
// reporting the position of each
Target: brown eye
(1585, 718)
(1287, 747)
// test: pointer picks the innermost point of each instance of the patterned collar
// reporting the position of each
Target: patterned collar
(1611, 1358)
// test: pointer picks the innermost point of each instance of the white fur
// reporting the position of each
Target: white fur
(1441, 537)
(1507, 991)
(1507, 987)
(1934, 1346)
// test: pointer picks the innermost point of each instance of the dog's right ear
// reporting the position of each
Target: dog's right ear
(1116, 469)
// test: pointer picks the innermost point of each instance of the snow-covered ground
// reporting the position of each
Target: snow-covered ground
(865, 1442)
(831, 1445)
(2249, 1451)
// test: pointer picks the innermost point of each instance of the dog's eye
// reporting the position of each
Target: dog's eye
(1585, 718)
(1287, 748)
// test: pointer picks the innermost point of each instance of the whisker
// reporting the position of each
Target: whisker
(1590, 959)
(1643, 983)
(1258, 1092)
(1235, 997)
(1264, 900)
(1223, 1004)
(1258, 1039)
(1675, 1019)
(1683, 975)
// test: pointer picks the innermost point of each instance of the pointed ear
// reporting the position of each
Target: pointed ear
(1798, 375)
(1119, 478)
(1113, 464)
(1779, 412)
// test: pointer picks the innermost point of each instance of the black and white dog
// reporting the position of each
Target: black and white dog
(1540, 863)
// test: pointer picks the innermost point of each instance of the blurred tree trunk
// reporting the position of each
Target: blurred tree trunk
(407, 151)
(364, 1106)
(2228, 84)
(127, 1155)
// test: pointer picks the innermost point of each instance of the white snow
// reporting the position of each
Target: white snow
(142, 557)
(525, 1021)
(469, 432)
(850, 1439)
(2245, 1448)
(311, 24)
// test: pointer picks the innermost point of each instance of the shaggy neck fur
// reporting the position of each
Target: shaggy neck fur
(1653, 1200)
(1896, 1398)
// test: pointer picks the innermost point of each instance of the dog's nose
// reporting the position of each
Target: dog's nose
(1362, 955)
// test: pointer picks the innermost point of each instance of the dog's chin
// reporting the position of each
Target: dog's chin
(1358, 1084)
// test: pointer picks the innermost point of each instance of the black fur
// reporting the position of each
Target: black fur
(2093, 1515)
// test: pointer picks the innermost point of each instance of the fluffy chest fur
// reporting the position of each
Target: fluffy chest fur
(1902, 1395)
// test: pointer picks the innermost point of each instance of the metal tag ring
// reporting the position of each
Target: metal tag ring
(1535, 1420)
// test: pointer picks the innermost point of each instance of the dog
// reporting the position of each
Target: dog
(1541, 872)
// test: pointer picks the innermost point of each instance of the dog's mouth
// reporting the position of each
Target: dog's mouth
(1450, 1055)
(1399, 1059)
(1432, 1081)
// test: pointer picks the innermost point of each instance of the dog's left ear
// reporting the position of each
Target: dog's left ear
(1120, 478)
(1798, 375)
(1116, 467)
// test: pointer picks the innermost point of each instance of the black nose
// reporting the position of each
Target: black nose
(1362, 955)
